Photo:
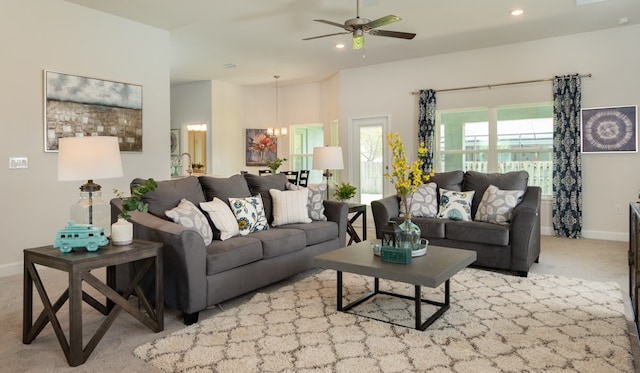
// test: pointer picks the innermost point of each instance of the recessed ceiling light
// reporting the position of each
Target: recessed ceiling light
(340, 45)
(623, 20)
(516, 12)
(230, 65)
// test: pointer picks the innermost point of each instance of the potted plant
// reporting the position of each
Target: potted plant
(344, 191)
(122, 230)
(197, 168)
(275, 164)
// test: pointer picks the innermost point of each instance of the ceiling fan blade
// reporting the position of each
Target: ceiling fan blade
(324, 36)
(393, 34)
(383, 21)
(330, 23)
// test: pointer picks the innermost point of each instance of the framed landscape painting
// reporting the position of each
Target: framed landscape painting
(81, 106)
(260, 147)
(609, 129)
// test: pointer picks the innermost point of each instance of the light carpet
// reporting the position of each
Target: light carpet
(496, 323)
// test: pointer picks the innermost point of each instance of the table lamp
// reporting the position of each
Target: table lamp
(327, 158)
(89, 158)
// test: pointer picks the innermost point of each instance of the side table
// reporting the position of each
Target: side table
(78, 264)
(360, 210)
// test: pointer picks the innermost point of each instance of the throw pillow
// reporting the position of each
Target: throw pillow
(189, 216)
(222, 218)
(497, 205)
(455, 205)
(289, 206)
(249, 213)
(315, 202)
(424, 202)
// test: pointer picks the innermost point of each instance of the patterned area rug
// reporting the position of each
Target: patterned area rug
(496, 323)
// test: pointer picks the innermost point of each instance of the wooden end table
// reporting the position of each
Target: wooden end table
(359, 210)
(79, 264)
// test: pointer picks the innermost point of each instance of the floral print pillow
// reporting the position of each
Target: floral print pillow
(249, 213)
(455, 205)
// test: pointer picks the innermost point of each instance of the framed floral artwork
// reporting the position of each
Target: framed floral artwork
(260, 147)
(609, 129)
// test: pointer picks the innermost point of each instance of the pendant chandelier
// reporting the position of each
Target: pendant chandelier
(277, 131)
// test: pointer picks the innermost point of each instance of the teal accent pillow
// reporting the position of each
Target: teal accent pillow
(455, 205)
(249, 213)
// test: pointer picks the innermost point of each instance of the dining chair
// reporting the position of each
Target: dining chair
(292, 176)
(303, 178)
(264, 172)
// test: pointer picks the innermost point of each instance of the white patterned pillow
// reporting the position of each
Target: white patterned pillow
(497, 205)
(424, 202)
(222, 218)
(315, 203)
(289, 206)
(455, 205)
(189, 216)
(249, 213)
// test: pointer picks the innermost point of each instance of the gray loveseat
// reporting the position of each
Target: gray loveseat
(196, 275)
(512, 247)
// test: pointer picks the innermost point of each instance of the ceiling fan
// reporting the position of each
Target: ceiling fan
(359, 26)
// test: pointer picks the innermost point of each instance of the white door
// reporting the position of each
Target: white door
(366, 157)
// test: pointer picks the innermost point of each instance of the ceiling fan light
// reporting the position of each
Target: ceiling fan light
(358, 42)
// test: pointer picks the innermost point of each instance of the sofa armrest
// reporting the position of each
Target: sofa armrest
(525, 230)
(184, 257)
(383, 210)
(338, 212)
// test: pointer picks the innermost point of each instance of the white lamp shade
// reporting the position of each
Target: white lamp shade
(328, 158)
(89, 158)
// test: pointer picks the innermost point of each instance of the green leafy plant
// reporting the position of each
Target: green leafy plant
(134, 202)
(275, 164)
(344, 191)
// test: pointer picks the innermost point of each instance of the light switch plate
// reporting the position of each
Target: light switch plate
(18, 162)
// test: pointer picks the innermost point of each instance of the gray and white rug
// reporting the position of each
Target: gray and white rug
(496, 323)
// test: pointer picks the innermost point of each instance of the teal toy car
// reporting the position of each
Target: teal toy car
(80, 235)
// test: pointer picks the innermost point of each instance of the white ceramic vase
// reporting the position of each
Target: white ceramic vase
(121, 232)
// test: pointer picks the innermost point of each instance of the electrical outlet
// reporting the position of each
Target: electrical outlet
(18, 162)
(618, 209)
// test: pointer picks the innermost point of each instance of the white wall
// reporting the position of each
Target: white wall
(609, 181)
(39, 35)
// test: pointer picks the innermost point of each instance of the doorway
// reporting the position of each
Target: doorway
(367, 157)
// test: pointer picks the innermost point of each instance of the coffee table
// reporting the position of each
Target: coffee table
(431, 270)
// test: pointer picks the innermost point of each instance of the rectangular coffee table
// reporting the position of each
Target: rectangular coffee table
(431, 270)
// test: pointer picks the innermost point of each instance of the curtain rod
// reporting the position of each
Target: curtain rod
(498, 85)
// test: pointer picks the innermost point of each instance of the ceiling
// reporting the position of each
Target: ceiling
(263, 38)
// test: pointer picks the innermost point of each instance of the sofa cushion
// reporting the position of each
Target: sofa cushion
(222, 217)
(449, 180)
(289, 206)
(238, 251)
(315, 203)
(224, 188)
(424, 202)
(280, 241)
(317, 231)
(190, 216)
(455, 205)
(479, 182)
(497, 205)
(429, 227)
(478, 232)
(262, 184)
(169, 193)
(249, 213)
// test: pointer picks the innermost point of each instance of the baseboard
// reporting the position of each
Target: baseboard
(11, 269)
(593, 235)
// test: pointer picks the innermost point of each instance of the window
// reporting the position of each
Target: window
(498, 139)
(304, 138)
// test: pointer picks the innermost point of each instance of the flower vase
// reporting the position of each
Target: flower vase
(121, 232)
(409, 236)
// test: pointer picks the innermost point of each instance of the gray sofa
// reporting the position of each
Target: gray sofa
(513, 247)
(196, 275)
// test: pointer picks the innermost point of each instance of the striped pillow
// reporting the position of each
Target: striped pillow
(289, 206)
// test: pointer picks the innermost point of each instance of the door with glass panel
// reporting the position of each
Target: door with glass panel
(366, 156)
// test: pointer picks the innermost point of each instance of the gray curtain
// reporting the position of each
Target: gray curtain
(567, 166)
(427, 126)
